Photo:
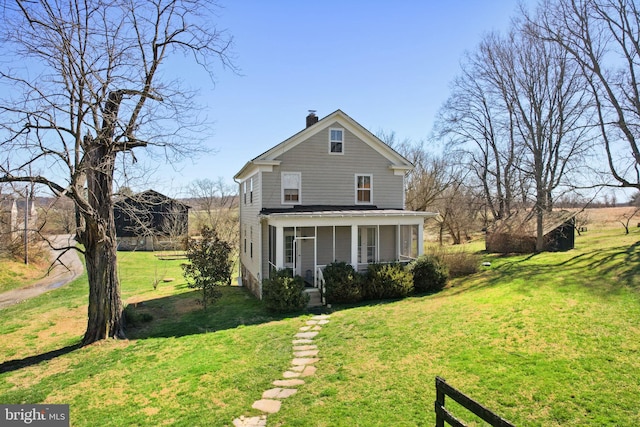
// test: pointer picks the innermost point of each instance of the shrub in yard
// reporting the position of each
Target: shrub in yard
(210, 264)
(459, 262)
(429, 274)
(342, 283)
(283, 293)
(387, 281)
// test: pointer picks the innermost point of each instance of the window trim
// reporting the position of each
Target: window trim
(251, 190)
(282, 188)
(244, 191)
(331, 140)
(370, 176)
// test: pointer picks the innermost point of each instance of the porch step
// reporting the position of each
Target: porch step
(314, 297)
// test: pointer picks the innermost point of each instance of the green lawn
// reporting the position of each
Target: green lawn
(550, 339)
(15, 274)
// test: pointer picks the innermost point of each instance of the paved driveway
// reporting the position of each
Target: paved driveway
(67, 268)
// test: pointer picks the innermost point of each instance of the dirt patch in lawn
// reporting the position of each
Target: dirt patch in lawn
(187, 305)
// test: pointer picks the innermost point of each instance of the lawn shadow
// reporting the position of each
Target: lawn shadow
(617, 267)
(182, 314)
(15, 364)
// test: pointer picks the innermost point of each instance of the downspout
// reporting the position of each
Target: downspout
(239, 234)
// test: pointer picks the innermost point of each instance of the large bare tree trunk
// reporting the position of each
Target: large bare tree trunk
(99, 237)
(105, 319)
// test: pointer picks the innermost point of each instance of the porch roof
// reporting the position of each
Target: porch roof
(341, 212)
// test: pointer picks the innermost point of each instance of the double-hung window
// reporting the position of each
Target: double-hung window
(244, 191)
(363, 189)
(336, 141)
(291, 188)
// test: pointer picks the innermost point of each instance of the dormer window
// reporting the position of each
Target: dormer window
(336, 141)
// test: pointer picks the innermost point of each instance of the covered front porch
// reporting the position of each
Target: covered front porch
(306, 242)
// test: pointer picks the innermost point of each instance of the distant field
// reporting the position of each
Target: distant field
(610, 217)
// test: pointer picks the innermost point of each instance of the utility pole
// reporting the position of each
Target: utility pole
(26, 225)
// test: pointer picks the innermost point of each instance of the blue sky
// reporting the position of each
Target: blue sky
(388, 64)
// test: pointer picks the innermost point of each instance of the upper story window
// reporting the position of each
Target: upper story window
(336, 141)
(363, 189)
(244, 191)
(291, 188)
(251, 190)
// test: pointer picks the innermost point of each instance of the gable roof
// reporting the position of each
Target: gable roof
(149, 198)
(268, 159)
(524, 223)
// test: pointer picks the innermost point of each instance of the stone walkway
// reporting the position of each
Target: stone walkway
(305, 355)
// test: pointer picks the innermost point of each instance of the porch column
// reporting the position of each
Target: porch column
(279, 246)
(354, 246)
(421, 238)
(398, 241)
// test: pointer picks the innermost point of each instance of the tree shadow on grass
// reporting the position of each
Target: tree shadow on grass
(181, 315)
(16, 364)
(177, 316)
(602, 271)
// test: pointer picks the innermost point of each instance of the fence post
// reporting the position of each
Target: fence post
(439, 403)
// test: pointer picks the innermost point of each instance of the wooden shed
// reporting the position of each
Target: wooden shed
(517, 234)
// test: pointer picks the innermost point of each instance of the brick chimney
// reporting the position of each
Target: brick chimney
(312, 118)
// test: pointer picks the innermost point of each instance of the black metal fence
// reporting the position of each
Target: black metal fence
(443, 415)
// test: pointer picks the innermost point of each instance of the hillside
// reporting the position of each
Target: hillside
(550, 339)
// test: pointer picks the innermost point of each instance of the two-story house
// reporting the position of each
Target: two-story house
(331, 192)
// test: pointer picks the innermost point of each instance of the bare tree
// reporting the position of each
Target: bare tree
(94, 92)
(460, 207)
(551, 116)
(603, 38)
(217, 208)
(477, 123)
(174, 228)
(626, 217)
(429, 177)
(525, 113)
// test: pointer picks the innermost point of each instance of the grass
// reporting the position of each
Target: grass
(16, 274)
(550, 339)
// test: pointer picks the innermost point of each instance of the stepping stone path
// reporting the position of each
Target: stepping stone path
(305, 355)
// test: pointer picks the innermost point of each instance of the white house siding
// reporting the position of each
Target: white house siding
(329, 179)
(250, 263)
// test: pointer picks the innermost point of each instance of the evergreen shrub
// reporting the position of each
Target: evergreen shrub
(429, 274)
(342, 283)
(387, 281)
(284, 293)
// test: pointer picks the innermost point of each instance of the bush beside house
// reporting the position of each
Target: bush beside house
(342, 283)
(429, 274)
(283, 292)
(387, 281)
(384, 281)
